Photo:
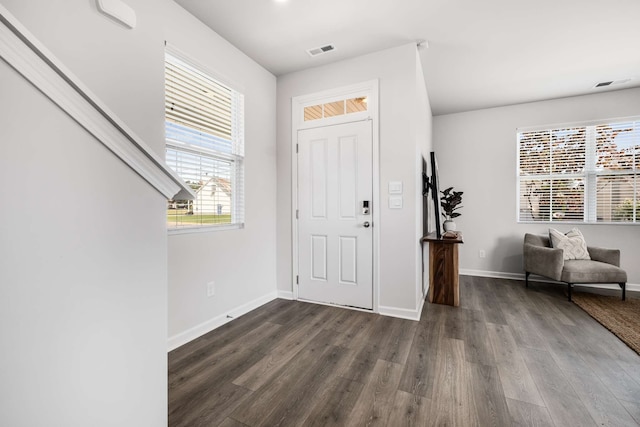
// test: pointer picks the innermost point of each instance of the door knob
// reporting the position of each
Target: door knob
(366, 224)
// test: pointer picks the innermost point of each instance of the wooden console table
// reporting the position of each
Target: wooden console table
(444, 285)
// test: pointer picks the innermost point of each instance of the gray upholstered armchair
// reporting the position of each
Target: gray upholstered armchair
(603, 267)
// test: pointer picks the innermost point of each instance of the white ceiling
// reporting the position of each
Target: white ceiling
(481, 53)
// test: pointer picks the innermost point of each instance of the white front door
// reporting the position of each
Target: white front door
(335, 237)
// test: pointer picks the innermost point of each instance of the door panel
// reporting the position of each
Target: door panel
(319, 257)
(347, 176)
(318, 165)
(335, 248)
(348, 260)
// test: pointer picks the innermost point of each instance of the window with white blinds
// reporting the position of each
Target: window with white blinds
(204, 126)
(580, 173)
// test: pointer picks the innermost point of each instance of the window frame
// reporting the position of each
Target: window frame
(236, 158)
(589, 173)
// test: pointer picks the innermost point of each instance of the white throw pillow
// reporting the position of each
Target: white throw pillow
(572, 244)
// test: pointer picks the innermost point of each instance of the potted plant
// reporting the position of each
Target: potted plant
(450, 202)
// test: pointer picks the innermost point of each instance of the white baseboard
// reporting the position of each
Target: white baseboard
(422, 302)
(494, 274)
(402, 313)
(208, 326)
(630, 286)
(535, 278)
(285, 295)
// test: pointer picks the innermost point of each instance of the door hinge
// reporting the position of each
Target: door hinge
(297, 214)
(297, 280)
(296, 148)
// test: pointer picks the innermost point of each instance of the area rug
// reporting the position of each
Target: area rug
(622, 318)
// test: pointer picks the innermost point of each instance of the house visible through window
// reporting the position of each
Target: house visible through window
(204, 128)
(580, 173)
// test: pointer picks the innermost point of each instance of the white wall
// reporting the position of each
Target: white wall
(396, 70)
(82, 274)
(477, 154)
(424, 146)
(242, 263)
(100, 289)
(120, 66)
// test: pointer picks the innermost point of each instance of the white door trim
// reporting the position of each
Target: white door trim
(370, 90)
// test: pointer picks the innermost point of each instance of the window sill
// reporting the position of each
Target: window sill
(203, 229)
(578, 223)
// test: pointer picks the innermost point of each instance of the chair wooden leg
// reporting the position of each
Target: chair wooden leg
(526, 279)
(569, 285)
(624, 288)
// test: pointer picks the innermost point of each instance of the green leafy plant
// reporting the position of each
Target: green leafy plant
(450, 202)
(625, 211)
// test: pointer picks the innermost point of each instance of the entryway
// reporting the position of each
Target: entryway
(335, 177)
(335, 226)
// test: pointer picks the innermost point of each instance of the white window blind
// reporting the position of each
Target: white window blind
(580, 173)
(204, 126)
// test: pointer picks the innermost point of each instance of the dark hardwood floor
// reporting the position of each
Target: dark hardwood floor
(507, 356)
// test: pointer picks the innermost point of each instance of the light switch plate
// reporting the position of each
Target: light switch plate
(395, 202)
(395, 187)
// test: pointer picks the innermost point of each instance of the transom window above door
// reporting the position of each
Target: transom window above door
(335, 108)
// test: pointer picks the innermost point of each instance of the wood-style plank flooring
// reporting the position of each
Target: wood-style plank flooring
(507, 356)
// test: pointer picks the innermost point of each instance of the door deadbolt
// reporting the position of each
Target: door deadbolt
(365, 207)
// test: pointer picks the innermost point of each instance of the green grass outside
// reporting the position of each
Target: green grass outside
(178, 217)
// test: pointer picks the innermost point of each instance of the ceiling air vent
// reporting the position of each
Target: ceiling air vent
(612, 82)
(320, 50)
